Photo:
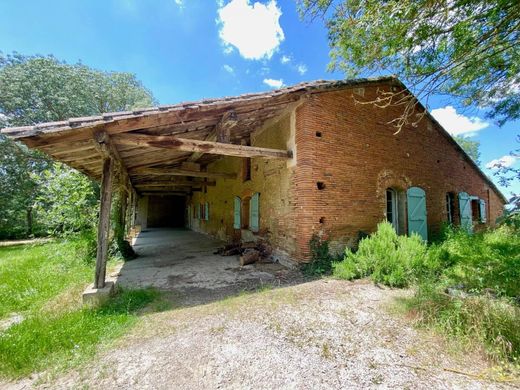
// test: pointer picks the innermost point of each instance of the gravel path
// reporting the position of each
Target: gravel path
(325, 334)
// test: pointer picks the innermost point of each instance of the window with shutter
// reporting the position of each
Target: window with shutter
(236, 213)
(466, 221)
(483, 214)
(254, 215)
(417, 221)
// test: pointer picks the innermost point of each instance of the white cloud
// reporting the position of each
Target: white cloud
(180, 3)
(228, 68)
(504, 161)
(285, 59)
(458, 124)
(302, 69)
(274, 83)
(253, 29)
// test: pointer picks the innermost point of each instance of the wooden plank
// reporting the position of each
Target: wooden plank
(181, 172)
(191, 145)
(108, 150)
(104, 223)
(152, 183)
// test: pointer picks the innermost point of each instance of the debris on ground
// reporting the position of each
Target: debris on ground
(250, 252)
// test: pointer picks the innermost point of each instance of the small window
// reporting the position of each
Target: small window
(475, 209)
(246, 169)
(450, 207)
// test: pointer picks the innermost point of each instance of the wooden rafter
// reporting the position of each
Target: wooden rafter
(221, 132)
(188, 183)
(108, 150)
(192, 145)
(181, 172)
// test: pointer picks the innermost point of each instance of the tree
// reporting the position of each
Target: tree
(470, 147)
(39, 89)
(469, 49)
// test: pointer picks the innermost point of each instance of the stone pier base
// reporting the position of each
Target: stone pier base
(97, 296)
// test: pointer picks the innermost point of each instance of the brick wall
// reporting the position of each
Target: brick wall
(352, 150)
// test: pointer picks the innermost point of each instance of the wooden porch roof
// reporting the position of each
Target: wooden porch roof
(145, 140)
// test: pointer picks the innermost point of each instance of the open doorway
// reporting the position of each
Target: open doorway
(166, 211)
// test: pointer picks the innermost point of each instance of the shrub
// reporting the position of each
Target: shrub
(388, 258)
(321, 259)
(479, 262)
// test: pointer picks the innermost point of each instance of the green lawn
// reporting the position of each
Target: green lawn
(43, 283)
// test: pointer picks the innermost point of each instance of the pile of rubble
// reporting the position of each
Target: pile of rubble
(250, 252)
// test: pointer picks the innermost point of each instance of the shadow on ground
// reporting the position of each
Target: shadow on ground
(181, 264)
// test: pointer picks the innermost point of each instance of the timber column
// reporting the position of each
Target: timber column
(104, 223)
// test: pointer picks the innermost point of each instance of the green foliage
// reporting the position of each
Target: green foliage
(385, 256)
(67, 338)
(321, 259)
(470, 147)
(486, 261)
(469, 49)
(493, 323)
(40, 89)
(67, 201)
(467, 284)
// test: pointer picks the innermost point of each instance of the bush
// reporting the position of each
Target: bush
(480, 262)
(388, 258)
(321, 259)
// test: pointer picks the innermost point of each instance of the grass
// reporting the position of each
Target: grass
(467, 285)
(68, 338)
(43, 283)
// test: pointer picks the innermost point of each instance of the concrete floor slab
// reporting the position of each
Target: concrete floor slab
(183, 261)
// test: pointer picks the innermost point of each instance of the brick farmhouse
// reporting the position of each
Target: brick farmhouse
(315, 158)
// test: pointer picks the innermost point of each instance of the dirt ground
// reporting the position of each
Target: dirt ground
(325, 334)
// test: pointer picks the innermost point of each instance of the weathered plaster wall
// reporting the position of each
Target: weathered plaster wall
(271, 178)
(351, 149)
(142, 212)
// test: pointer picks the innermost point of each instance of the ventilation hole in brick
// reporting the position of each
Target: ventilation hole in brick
(320, 185)
(464, 167)
(438, 161)
(322, 219)
(318, 134)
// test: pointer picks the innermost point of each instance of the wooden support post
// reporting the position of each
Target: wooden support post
(104, 223)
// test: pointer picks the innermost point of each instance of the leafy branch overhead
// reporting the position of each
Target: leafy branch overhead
(469, 49)
(36, 196)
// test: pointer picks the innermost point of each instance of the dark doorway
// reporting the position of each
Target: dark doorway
(166, 211)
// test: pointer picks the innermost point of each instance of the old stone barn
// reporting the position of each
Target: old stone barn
(280, 165)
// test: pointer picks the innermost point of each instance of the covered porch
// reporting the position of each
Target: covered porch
(183, 262)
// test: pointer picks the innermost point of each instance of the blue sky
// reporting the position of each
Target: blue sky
(191, 49)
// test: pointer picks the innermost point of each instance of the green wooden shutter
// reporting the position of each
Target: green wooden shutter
(199, 211)
(417, 221)
(483, 216)
(465, 212)
(236, 221)
(254, 215)
(206, 211)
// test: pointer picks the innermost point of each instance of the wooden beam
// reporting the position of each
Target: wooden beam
(220, 133)
(108, 150)
(175, 193)
(192, 145)
(104, 223)
(191, 183)
(181, 172)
